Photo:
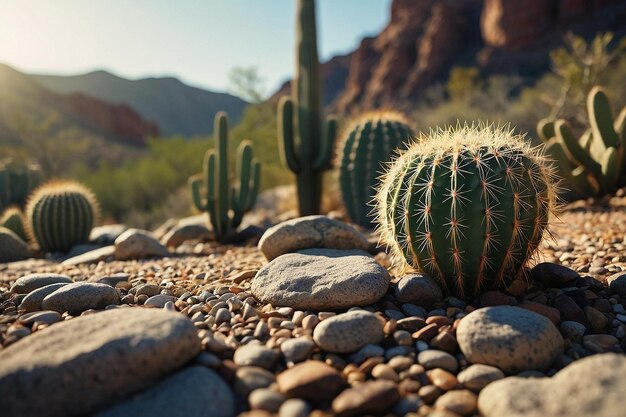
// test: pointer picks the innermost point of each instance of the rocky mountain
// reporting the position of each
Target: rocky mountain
(425, 38)
(177, 107)
(22, 98)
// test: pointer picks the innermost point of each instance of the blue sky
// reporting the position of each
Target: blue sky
(199, 41)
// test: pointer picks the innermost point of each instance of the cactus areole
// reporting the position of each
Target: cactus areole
(468, 205)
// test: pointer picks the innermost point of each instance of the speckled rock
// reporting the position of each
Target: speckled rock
(31, 282)
(138, 244)
(593, 386)
(310, 232)
(192, 392)
(182, 233)
(418, 289)
(510, 338)
(80, 296)
(32, 301)
(371, 397)
(478, 376)
(99, 358)
(321, 279)
(12, 247)
(348, 332)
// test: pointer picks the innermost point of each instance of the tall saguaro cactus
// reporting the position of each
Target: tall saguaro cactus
(305, 142)
(212, 191)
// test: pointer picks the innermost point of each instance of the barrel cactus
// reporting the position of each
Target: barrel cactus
(17, 180)
(13, 219)
(61, 214)
(468, 205)
(369, 142)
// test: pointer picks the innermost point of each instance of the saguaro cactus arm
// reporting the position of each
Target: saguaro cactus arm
(286, 136)
(325, 155)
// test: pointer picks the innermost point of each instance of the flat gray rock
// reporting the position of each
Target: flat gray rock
(321, 279)
(80, 296)
(79, 366)
(511, 338)
(31, 282)
(182, 233)
(93, 256)
(12, 247)
(138, 244)
(348, 332)
(193, 392)
(593, 386)
(310, 232)
(32, 301)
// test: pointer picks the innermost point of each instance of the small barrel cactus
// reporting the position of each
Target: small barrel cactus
(60, 215)
(369, 143)
(468, 205)
(13, 219)
(17, 180)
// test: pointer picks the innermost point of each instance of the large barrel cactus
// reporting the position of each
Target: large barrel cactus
(369, 142)
(468, 205)
(60, 215)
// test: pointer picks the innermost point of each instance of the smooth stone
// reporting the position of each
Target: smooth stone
(478, 376)
(32, 301)
(111, 280)
(593, 386)
(553, 275)
(597, 320)
(138, 244)
(371, 397)
(159, 300)
(462, 402)
(348, 332)
(310, 232)
(321, 279)
(431, 359)
(311, 380)
(366, 352)
(294, 407)
(249, 378)
(550, 312)
(92, 256)
(13, 247)
(31, 282)
(79, 366)
(570, 310)
(256, 355)
(572, 330)
(80, 296)
(297, 350)
(148, 289)
(617, 283)
(182, 233)
(266, 399)
(106, 235)
(418, 289)
(44, 316)
(193, 392)
(511, 338)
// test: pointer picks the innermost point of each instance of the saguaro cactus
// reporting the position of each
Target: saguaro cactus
(212, 191)
(468, 205)
(305, 143)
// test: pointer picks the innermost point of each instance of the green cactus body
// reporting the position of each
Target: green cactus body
(595, 163)
(16, 182)
(369, 143)
(468, 205)
(13, 219)
(212, 191)
(306, 143)
(60, 215)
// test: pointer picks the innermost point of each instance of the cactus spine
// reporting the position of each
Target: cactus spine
(13, 219)
(16, 182)
(212, 191)
(595, 163)
(60, 215)
(468, 205)
(369, 143)
(305, 143)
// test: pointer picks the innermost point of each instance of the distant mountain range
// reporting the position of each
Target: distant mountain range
(175, 107)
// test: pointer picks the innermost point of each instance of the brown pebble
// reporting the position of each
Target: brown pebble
(429, 393)
(384, 371)
(462, 402)
(442, 379)
(426, 333)
(445, 341)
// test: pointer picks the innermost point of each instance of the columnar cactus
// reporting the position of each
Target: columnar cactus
(61, 214)
(468, 205)
(212, 191)
(13, 219)
(370, 142)
(16, 182)
(594, 164)
(305, 143)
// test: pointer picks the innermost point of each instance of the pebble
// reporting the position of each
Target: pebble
(476, 377)
(182, 233)
(591, 386)
(550, 313)
(511, 338)
(617, 283)
(249, 378)
(31, 282)
(431, 359)
(297, 350)
(442, 379)
(371, 397)
(553, 275)
(80, 296)
(192, 392)
(569, 310)
(148, 289)
(32, 301)
(321, 279)
(294, 407)
(419, 289)
(266, 399)
(348, 332)
(100, 358)
(138, 244)
(256, 355)
(47, 317)
(384, 371)
(310, 232)
(462, 402)
(159, 300)
(311, 380)
(597, 321)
